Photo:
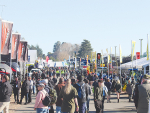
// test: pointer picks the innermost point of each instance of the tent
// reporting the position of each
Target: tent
(139, 64)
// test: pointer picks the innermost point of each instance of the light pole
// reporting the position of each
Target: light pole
(141, 48)
(116, 59)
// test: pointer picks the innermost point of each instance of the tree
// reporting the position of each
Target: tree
(44, 56)
(56, 46)
(39, 50)
(85, 49)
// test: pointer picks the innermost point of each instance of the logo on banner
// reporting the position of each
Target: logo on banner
(98, 59)
(7, 35)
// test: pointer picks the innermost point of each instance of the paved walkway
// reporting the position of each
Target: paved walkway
(113, 107)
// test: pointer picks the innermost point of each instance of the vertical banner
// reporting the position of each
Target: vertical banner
(15, 45)
(147, 51)
(98, 59)
(132, 49)
(120, 51)
(19, 51)
(87, 61)
(6, 32)
(24, 51)
(137, 55)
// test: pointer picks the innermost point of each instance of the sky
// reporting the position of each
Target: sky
(105, 23)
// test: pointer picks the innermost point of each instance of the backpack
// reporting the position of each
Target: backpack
(81, 91)
(47, 100)
(53, 96)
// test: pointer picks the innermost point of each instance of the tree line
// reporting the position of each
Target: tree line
(63, 50)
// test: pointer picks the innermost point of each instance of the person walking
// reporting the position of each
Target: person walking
(30, 90)
(25, 90)
(143, 95)
(69, 95)
(55, 80)
(98, 97)
(83, 93)
(118, 89)
(39, 107)
(16, 88)
(113, 87)
(34, 86)
(58, 89)
(129, 90)
(5, 94)
(108, 85)
(90, 92)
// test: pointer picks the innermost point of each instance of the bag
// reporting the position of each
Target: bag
(53, 96)
(81, 91)
(47, 100)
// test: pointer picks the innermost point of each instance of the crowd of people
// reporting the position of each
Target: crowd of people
(71, 91)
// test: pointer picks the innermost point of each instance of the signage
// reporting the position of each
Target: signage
(98, 59)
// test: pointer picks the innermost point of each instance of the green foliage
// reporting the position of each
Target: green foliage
(56, 46)
(39, 50)
(85, 49)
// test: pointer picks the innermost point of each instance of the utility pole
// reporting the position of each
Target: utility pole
(115, 57)
(141, 48)
(2, 9)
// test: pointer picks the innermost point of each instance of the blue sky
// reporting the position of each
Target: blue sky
(105, 23)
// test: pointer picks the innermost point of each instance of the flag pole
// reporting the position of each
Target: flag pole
(120, 64)
(102, 63)
(148, 51)
(132, 56)
(10, 57)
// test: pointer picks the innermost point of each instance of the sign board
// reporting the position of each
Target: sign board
(28, 58)
(98, 59)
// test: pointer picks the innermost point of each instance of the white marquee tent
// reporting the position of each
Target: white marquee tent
(140, 64)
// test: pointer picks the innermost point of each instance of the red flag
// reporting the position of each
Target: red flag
(137, 55)
(47, 58)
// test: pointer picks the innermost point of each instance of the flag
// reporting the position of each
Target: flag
(108, 58)
(110, 54)
(137, 55)
(20, 51)
(15, 44)
(132, 50)
(87, 60)
(47, 58)
(24, 53)
(102, 56)
(120, 54)
(147, 51)
(107, 50)
(6, 31)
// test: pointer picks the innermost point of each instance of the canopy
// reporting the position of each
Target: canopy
(140, 63)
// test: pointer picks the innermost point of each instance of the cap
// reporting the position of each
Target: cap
(42, 85)
(44, 81)
(146, 76)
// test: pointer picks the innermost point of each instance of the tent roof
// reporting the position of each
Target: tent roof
(140, 63)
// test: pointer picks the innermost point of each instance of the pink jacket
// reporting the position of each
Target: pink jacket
(38, 102)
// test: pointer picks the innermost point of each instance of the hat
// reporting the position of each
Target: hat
(146, 76)
(41, 85)
(44, 81)
(80, 78)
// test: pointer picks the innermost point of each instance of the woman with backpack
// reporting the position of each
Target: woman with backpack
(39, 107)
(118, 89)
(69, 95)
(129, 90)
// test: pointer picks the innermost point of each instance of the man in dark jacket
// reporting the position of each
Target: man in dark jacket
(54, 79)
(108, 85)
(58, 89)
(5, 94)
(142, 95)
(43, 75)
(25, 90)
(16, 88)
(83, 93)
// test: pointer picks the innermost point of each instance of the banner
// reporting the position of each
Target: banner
(15, 44)
(87, 60)
(6, 31)
(137, 55)
(147, 51)
(24, 54)
(19, 51)
(120, 54)
(98, 59)
(132, 49)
